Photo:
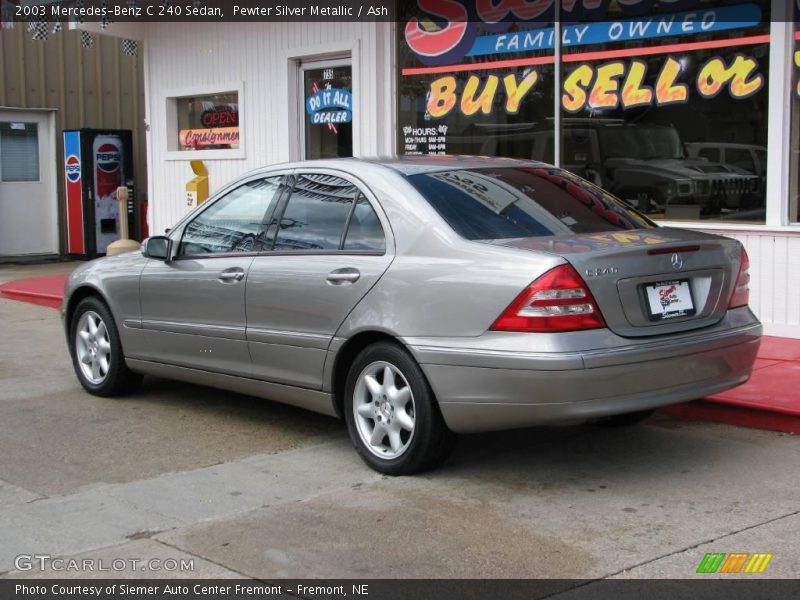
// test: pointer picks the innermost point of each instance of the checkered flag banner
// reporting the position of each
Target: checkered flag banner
(41, 29)
(197, 3)
(79, 19)
(105, 21)
(130, 47)
(87, 40)
(58, 25)
(164, 3)
(132, 3)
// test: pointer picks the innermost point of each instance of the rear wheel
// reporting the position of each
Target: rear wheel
(97, 352)
(391, 413)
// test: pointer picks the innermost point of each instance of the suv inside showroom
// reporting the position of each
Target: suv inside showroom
(647, 165)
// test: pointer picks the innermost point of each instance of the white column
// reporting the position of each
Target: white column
(779, 114)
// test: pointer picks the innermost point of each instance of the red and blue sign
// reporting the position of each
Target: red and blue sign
(108, 158)
(447, 31)
(72, 168)
(73, 193)
(331, 105)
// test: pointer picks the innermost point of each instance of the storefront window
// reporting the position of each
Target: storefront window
(669, 110)
(794, 186)
(208, 122)
(478, 86)
(662, 103)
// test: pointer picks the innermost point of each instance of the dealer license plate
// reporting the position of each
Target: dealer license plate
(669, 300)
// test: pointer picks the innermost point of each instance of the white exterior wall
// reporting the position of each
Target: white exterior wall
(257, 56)
(774, 277)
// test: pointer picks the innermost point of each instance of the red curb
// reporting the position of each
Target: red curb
(705, 410)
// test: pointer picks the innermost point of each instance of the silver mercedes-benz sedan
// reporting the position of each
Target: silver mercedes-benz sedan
(421, 297)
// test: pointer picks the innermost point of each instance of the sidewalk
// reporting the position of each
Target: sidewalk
(770, 400)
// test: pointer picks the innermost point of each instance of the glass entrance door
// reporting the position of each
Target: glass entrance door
(327, 130)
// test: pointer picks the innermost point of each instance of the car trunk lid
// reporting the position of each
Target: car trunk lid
(650, 281)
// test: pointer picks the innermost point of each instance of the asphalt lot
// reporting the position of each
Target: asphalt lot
(246, 487)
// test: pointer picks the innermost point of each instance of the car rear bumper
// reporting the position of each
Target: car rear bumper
(484, 390)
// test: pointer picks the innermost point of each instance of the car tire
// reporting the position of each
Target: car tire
(627, 419)
(391, 412)
(96, 351)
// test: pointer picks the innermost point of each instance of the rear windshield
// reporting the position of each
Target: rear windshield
(506, 203)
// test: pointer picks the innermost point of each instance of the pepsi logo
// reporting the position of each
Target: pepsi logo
(107, 158)
(72, 167)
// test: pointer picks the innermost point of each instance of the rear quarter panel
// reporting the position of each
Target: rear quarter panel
(439, 283)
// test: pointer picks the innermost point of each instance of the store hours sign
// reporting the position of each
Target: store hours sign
(330, 106)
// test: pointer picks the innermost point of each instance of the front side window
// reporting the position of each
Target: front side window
(508, 203)
(316, 214)
(235, 222)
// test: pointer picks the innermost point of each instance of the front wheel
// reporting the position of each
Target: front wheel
(97, 352)
(391, 413)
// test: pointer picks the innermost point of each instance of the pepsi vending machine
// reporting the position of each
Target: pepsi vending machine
(96, 163)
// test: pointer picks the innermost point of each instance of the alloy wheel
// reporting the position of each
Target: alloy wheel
(93, 347)
(383, 408)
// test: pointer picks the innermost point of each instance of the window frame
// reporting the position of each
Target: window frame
(266, 219)
(360, 186)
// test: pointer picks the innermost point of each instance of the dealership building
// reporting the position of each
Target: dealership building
(688, 111)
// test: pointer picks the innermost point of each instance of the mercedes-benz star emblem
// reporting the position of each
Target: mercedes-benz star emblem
(677, 261)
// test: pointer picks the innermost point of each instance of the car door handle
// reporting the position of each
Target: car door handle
(346, 275)
(231, 275)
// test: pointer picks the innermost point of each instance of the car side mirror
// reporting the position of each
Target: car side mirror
(157, 247)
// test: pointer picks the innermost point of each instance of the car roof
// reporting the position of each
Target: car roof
(412, 165)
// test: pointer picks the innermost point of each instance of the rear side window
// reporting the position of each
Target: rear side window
(364, 231)
(316, 214)
(507, 203)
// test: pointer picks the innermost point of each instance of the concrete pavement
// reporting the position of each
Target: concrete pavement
(245, 487)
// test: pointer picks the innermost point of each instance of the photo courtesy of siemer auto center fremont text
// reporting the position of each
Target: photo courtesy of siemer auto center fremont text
(399, 299)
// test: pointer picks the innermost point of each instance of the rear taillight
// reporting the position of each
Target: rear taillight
(741, 291)
(559, 300)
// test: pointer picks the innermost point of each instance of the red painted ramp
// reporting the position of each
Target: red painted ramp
(45, 291)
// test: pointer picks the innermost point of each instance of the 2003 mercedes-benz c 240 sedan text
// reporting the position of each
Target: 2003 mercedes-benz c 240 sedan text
(421, 297)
